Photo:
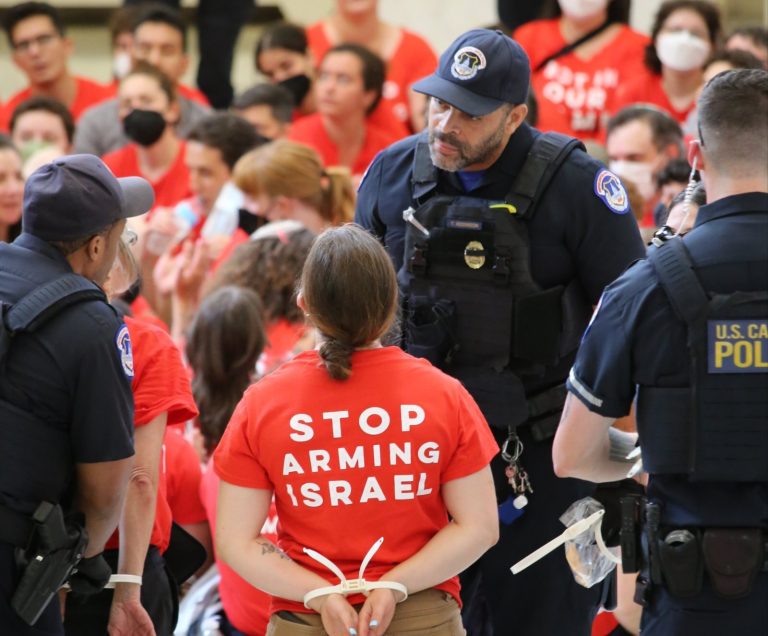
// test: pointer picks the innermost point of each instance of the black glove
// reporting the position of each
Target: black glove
(90, 576)
(610, 494)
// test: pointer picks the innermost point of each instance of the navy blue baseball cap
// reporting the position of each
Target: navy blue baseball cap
(77, 196)
(481, 71)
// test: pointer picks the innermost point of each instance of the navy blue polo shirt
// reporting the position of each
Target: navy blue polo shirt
(635, 339)
(74, 373)
(574, 233)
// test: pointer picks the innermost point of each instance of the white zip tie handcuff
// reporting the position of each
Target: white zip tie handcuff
(572, 531)
(115, 579)
(351, 586)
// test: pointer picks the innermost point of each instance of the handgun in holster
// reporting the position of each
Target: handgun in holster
(55, 549)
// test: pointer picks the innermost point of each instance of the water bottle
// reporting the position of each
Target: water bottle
(186, 217)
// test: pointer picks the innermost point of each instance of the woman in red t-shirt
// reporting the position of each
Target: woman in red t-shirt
(225, 340)
(684, 34)
(367, 451)
(574, 86)
(407, 55)
(269, 264)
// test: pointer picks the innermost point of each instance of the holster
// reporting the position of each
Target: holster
(733, 557)
(682, 565)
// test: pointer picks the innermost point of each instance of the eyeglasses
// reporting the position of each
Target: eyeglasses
(129, 237)
(42, 41)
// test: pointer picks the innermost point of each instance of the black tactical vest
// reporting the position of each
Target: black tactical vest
(35, 458)
(717, 428)
(471, 305)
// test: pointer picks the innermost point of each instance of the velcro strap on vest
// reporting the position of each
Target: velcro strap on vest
(47, 300)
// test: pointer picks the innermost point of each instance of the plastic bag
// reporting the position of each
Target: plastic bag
(590, 562)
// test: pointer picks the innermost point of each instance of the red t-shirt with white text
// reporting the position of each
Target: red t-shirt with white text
(574, 94)
(356, 460)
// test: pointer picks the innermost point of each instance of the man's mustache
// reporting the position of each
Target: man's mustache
(445, 138)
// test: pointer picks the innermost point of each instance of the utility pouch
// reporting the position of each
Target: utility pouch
(430, 329)
(733, 557)
(681, 563)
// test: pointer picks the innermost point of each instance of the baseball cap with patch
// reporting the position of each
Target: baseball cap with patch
(77, 196)
(481, 71)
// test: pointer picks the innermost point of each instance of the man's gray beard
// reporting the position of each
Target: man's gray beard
(478, 154)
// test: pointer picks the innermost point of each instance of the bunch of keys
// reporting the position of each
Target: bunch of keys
(516, 475)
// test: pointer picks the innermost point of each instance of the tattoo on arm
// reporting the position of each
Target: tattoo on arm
(269, 548)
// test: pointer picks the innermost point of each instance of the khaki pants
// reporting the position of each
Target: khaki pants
(428, 613)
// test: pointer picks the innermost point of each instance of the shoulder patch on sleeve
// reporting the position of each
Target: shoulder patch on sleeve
(609, 190)
(123, 342)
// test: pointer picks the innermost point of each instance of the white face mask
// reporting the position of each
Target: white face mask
(121, 65)
(682, 51)
(579, 9)
(640, 174)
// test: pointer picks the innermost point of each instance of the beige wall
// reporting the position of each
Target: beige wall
(438, 20)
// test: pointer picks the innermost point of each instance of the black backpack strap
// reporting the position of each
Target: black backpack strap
(547, 154)
(47, 300)
(675, 271)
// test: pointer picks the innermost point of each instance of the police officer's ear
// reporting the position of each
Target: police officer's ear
(515, 117)
(695, 154)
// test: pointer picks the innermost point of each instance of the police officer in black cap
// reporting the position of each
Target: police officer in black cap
(65, 396)
(504, 238)
(685, 334)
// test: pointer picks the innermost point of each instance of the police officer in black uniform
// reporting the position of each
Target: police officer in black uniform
(686, 333)
(504, 238)
(65, 396)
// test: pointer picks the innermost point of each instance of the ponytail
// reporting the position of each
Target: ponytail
(337, 358)
(338, 206)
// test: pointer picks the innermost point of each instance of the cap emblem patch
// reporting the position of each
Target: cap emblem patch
(467, 62)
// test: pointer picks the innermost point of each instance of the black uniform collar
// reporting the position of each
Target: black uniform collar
(734, 204)
(31, 242)
(509, 162)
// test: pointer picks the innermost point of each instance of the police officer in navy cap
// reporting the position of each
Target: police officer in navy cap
(66, 408)
(504, 238)
(685, 334)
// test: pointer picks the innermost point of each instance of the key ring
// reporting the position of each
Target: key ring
(518, 448)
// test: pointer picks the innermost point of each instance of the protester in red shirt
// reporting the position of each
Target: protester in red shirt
(225, 340)
(162, 396)
(286, 180)
(40, 122)
(408, 56)
(358, 442)
(684, 34)
(284, 57)
(36, 35)
(148, 111)
(269, 264)
(348, 87)
(575, 85)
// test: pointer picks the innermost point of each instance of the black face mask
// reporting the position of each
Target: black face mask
(298, 86)
(144, 127)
